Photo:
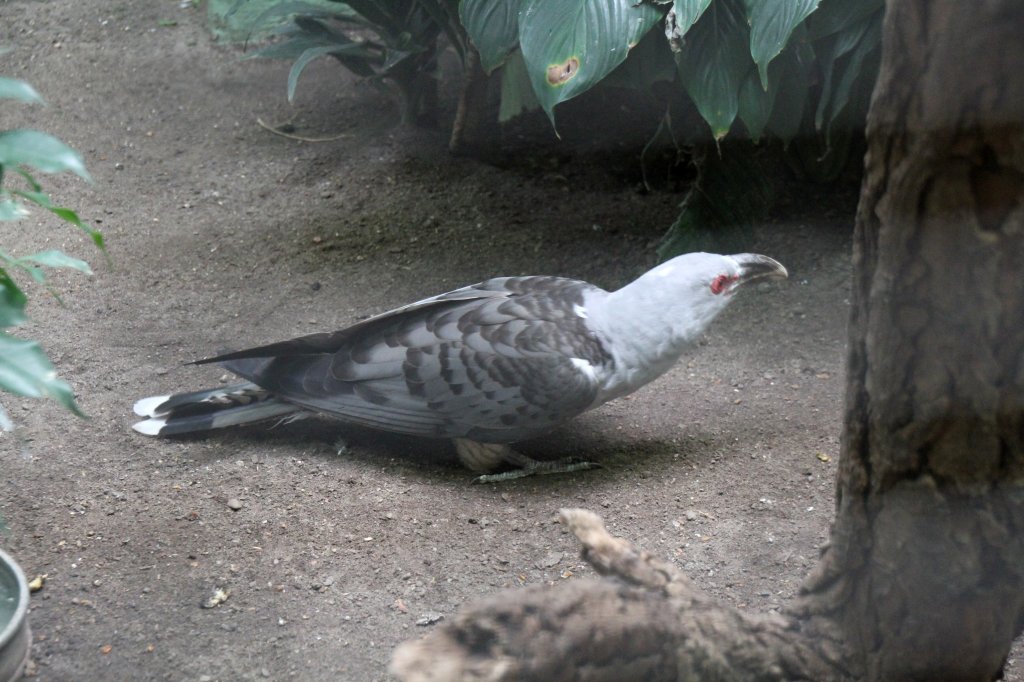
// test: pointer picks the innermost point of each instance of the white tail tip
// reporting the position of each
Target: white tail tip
(146, 407)
(149, 427)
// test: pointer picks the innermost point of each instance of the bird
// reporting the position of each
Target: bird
(485, 365)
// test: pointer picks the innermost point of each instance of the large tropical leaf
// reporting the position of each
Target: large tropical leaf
(493, 26)
(855, 68)
(832, 16)
(649, 62)
(336, 50)
(516, 90)
(786, 120)
(771, 23)
(832, 49)
(756, 103)
(570, 45)
(713, 63)
(681, 17)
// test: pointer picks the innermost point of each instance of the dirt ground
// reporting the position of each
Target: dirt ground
(347, 541)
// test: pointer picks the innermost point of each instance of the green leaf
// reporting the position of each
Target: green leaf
(570, 45)
(731, 194)
(42, 200)
(771, 23)
(253, 20)
(683, 15)
(755, 103)
(649, 62)
(12, 210)
(830, 51)
(304, 59)
(12, 302)
(26, 371)
(713, 64)
(40, 151)
(786, 120)
(444, 13)
(57, 259)
(11, 88)
(493, 26)
(854, 68)
(516, 90)
(832, 16)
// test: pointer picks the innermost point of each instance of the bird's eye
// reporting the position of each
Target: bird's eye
(719, 284)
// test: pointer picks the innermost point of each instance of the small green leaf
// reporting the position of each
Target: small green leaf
(40, 151)
(570, 45)
(12, 88)
(42, 200)
(12, 302)
(771, 23)
(493, 26)
(57, 259)
(26, 371)
(12, 210)
(713, 64)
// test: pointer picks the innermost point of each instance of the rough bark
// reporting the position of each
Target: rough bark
(923, 578)
(467, 136)
(651, 624)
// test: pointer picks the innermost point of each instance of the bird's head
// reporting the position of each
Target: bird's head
(693, 288)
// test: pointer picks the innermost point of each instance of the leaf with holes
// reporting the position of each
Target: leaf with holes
(570, 45)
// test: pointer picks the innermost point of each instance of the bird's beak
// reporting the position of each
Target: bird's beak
(754, 266)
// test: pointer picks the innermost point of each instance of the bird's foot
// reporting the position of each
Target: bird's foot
(531, 467)
(489, 456)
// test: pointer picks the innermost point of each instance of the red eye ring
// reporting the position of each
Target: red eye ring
(721, 283)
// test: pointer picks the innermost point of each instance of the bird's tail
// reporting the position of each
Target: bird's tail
(167, 415)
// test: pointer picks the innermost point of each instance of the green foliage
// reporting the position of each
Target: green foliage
(757, 60)
(24, 368)
(376, 39)
(569, 47)
(706, 221)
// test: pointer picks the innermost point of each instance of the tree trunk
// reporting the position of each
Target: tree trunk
(925, 570)
(924, 575)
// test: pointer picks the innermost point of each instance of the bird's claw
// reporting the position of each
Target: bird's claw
(535, 468)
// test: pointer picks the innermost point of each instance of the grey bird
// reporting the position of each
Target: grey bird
(485, 365)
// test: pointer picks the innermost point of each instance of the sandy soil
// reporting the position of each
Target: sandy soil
(346, 541)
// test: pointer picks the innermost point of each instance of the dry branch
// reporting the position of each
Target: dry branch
(646, 622)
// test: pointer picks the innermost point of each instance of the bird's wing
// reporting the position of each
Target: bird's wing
(498, 362)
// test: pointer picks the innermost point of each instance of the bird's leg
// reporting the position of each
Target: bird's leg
(489, 456)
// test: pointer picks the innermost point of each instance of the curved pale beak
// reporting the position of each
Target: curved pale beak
(754, 266)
